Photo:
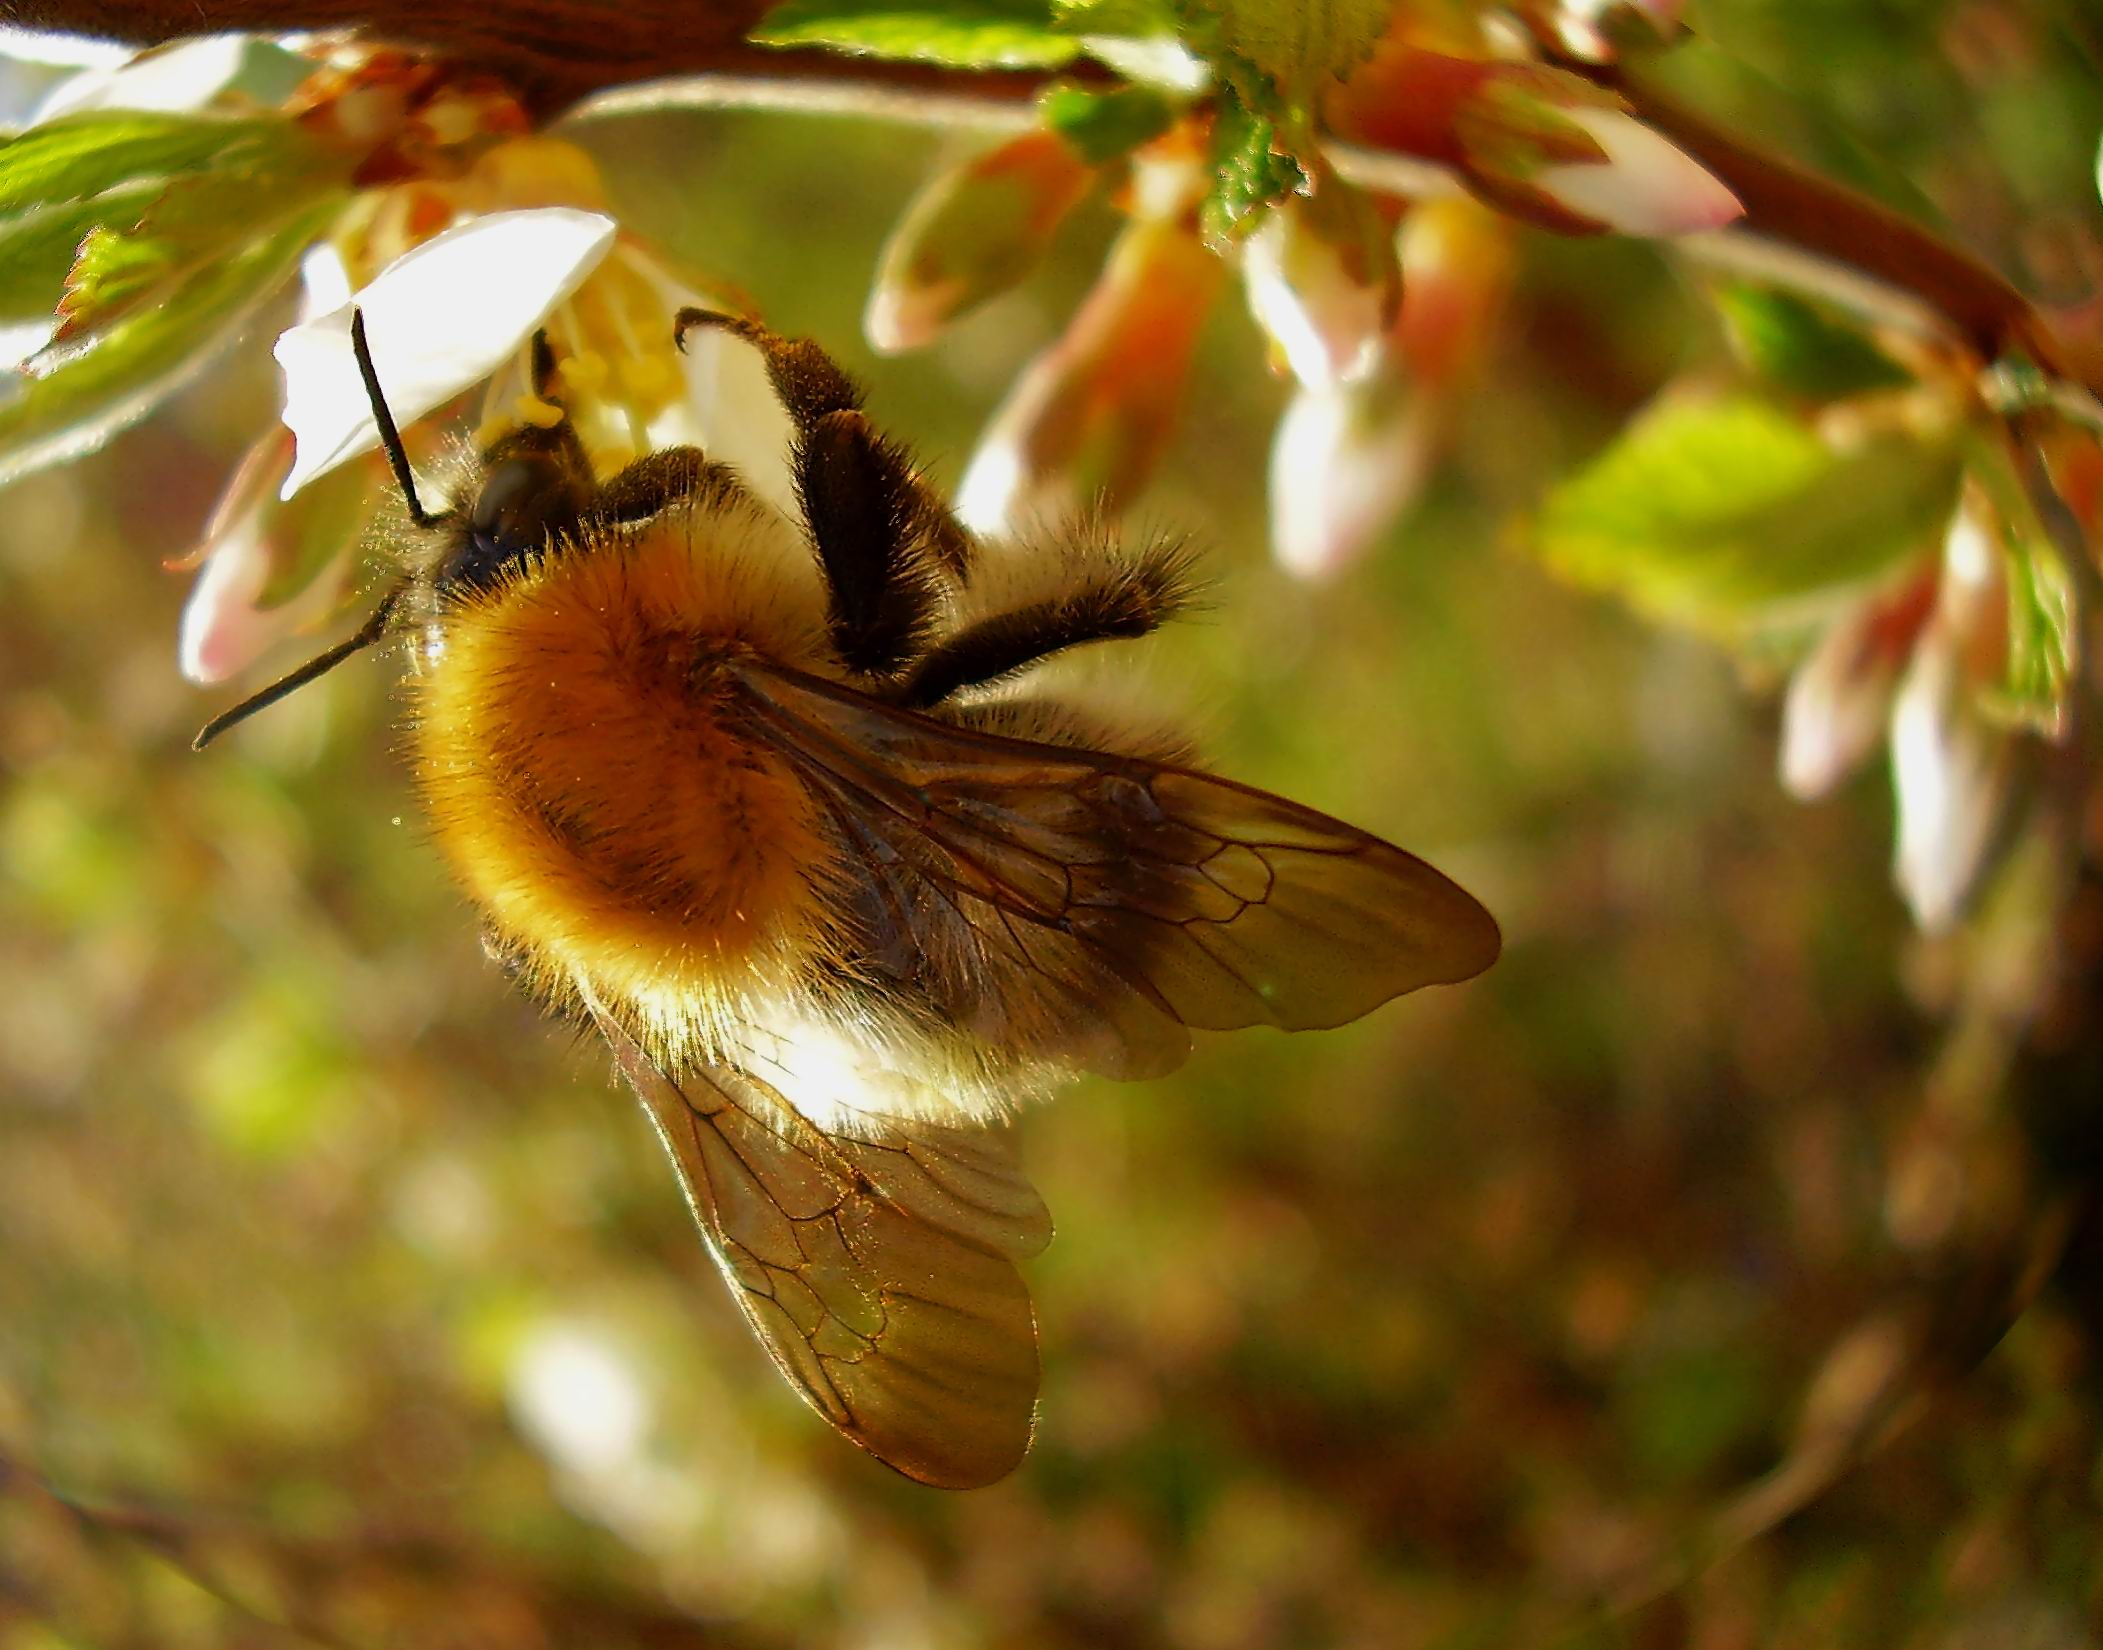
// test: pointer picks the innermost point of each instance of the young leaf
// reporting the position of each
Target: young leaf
(959, 34)
(85, 395)
(1798, 348)
(1295, 45)
(77, 156)
(1249, 172)
(2041, 652)
(1105, 126)
(1730, 515)
(185, 225)
(37, 248)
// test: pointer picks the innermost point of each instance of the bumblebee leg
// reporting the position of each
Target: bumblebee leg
(883, 537)
(659, 480)
(1130, 601)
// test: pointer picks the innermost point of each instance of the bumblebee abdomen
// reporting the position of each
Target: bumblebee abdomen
(578, 741)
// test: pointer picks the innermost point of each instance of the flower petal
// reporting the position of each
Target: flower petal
(1840, 697)
(1647, 186)
(177, 78)
(738, 418)
(1324, 319)
(1345, 462)
(1083, 425)
(232, 617)
(441, 317)
(972, 232)
(1950, 769)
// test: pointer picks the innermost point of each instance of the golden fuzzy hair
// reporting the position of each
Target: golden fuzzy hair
(582, 778)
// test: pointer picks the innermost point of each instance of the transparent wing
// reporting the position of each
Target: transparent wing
(1092, 907)
(880, 1275)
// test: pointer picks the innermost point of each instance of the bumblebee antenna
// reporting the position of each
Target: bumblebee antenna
(390, 436)
(374, 627)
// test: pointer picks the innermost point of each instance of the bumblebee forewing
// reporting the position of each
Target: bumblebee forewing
(878, 1273)
(1105, 902)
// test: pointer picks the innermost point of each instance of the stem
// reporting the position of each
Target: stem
(1815, 232)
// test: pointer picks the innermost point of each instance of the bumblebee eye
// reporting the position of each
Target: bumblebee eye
(524, 502)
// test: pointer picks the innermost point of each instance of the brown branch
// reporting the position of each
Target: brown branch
(560, 51)
(554, 51)
(1786, 203)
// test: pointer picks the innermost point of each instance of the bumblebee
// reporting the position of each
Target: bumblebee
(774, 805)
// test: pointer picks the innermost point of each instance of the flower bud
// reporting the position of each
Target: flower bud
(1540, 143)
(1840, 697)
(1347, 459)
(1598, 31)
(1083, 426)
(972, 233)
(269, 568)
(1457, 262)
(1949, 762)
(1325, 316)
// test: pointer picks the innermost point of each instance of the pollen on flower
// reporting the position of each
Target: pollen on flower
(648, 378)
(586, 372)
(542, 415)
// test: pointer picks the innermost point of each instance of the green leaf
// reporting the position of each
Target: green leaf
(2041, 648)
(972, 34)
(186, 224)
(1295, 45)
(37, 248)
(1125, 19)
(88, 392)
(1799, 348)
(1732, 516)
(77, 156)
(1105, 126)
(1249, 173)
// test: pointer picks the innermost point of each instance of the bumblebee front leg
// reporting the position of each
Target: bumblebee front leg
(883, 538)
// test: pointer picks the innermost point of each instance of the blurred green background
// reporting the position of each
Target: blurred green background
(368, 1299)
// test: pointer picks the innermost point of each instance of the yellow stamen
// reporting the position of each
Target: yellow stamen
(542, 415)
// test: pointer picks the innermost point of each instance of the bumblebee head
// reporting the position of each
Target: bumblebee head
(536, 486)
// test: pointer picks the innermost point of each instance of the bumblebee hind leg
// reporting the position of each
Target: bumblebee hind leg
(1117, 603)
(885, 541)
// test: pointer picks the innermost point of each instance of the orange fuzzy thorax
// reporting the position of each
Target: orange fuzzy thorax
(586, 780)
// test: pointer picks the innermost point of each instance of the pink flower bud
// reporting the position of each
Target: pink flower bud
(1643, 186)
(971, 233)
(1600, 30)
(1457, 262)
(1325, 316)
(1840, 697)
(1949, 762)
(269, 568)
(1084, 425)
(1347, 459)
(1540, 143)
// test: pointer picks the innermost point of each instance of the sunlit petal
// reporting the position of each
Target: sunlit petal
(231, 619)
(1084, 424)
(1325, 319)
(440, 318)
(1344, 464)
(737, 417)
(973, 231)
(1950, 769)
(177, 78)
(1839, 700)
(1647, 186)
